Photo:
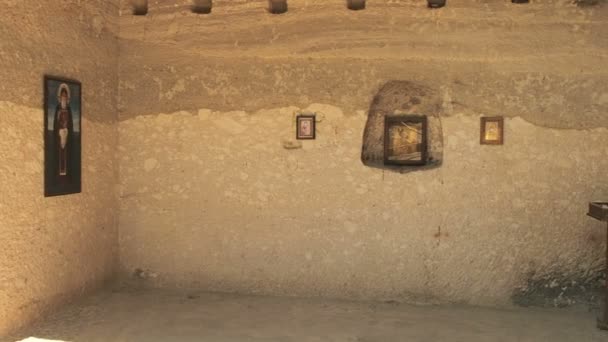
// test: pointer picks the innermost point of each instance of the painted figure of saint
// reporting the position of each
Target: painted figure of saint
(406, 139)
(63, 129)
(306, 129)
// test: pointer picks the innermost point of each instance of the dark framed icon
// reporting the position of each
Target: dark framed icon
(405, 140)
(305, 127)
(492, 130)
(62, 136)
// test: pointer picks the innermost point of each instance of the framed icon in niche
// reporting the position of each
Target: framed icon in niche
(62, 136)
(305, 127)
(405, 140)
(492, 130)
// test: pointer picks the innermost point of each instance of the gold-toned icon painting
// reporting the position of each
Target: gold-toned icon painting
(305, 127)
(492, 130)
(405, 140)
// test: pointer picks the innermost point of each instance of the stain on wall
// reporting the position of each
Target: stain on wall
(215, 194)
(55, 249)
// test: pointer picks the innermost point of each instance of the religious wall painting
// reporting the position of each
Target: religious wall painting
(62, 136)
(305, 127)
(492, 130)
(405, 140)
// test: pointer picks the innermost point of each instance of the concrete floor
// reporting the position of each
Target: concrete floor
(169, 316)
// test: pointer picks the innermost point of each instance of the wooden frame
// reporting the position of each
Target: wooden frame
(599, 211)
(306, 127)
(405, 140)
(492, 130)
(62, 136)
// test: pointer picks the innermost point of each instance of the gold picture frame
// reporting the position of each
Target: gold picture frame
(492, 130)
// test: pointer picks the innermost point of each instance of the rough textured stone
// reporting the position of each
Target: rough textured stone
(542, 61)
(54, 249)
(230, 208)
(214, 196)
(214, 215)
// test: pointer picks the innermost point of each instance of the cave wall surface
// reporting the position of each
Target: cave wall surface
(55, 249)
(216, 194)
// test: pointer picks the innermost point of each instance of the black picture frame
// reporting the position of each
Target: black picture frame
(62, 136)
(306, 128)
(410, 134)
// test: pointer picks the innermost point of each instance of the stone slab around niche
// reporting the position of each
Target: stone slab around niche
(399, 97)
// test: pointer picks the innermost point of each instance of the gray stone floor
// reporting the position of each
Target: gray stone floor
(170, 316)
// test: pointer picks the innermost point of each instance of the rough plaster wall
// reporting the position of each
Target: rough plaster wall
(55, 248)
(211, 198)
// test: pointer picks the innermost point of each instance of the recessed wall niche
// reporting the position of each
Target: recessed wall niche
(355, 5)
(277, 6)
(201, 6)
(140, 7)
(403, 98)
(436, 3)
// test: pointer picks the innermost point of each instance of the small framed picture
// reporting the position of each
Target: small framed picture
(405, 140)
(492, 130)
(305, 127)
(62, 136)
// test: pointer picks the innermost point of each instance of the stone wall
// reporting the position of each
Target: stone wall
(54, 249)
(216, 194)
